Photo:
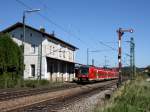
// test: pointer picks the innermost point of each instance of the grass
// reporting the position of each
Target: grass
(6, 81)
(134, 96)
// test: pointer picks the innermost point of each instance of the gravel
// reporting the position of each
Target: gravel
(87, 104)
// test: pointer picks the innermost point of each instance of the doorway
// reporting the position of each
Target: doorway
(33, 70)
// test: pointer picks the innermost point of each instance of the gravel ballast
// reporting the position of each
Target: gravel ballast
(88, 104)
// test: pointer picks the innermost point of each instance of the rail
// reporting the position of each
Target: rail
(56, 101)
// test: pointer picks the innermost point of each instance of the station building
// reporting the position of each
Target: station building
(45, 55)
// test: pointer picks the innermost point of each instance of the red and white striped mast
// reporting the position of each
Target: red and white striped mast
(120, 33)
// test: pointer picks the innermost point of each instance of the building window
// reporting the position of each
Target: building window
(21, 36)
(63, 54)
(53, 51)
(33, 70)
(33, 46)
(70, 56)
(60, 52)
(13, 35)
(30, 34)
(50, 49)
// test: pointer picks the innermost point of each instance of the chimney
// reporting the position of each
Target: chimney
(53, 33)
(42, 29)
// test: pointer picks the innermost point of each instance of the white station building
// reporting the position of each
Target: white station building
(44, 54)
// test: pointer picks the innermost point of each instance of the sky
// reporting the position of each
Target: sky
(87, 23)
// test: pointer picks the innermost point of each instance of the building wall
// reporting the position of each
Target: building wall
(50, 48)
(58, 70)
(57, 50)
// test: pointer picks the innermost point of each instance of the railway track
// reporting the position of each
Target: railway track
(8, 94)
(12, 94)
(65, 99)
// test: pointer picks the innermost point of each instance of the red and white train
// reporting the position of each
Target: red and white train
(92, 73)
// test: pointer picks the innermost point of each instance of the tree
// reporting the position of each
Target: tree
(10, 55)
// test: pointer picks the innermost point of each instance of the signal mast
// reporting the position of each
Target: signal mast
(120, 34)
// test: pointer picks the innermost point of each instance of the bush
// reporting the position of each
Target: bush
(6, 81)
(30, 83)
(10, 55)
(43, 82)
(134, 97)
(35, 83)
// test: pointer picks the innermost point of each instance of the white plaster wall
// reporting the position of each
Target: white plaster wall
(55, 51)
(30, 57)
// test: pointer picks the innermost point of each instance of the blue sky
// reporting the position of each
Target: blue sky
(88, 22)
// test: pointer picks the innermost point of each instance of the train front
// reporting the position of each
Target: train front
(82, 73)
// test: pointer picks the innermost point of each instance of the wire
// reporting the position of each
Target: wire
(95, 51)
(69, 33)
(54, 23)
(107, 46)
(114, 49)
(66, 31)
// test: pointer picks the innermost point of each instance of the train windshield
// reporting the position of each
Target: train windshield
(84, 71)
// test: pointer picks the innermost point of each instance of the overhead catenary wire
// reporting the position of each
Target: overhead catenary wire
(79, 38)
(114, 49)
(68, 32)
(97, 51)
(59, 26)
(102, 43)
(54, 23)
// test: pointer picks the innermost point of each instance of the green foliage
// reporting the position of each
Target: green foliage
(43, 82)
(11, 66)
(10, 62)
(10, 54)
(8, 80)
(126, 71)
(30, 83)
(35, 83)
(135, 97)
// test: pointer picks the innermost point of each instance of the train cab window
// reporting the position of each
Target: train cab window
(84, 71)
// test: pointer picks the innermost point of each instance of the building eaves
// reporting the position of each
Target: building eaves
(19, 24)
